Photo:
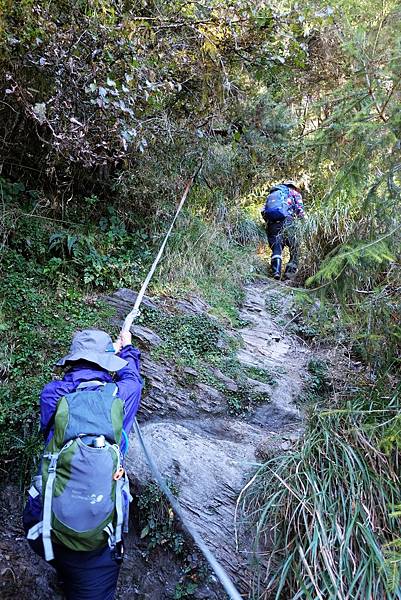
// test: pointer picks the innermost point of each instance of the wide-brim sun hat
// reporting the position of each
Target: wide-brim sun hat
(291, 182)
(94, 346)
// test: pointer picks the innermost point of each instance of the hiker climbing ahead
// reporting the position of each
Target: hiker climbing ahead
(77, 507)
(283, 205)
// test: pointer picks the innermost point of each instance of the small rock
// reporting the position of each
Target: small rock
(228, 382)
(222, 344)
(129, 296)
(259, 386)
(209, 390)
(291, 437)
(193, 305)
(146, 335)
(190, 371)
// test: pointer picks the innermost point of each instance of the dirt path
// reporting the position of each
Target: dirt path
(207, 453)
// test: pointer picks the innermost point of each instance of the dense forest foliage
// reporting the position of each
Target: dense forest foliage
(106, 109)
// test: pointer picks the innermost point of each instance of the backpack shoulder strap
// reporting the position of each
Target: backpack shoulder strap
(110, 388)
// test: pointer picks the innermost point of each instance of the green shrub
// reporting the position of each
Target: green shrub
(37, 322)
(263, 375)
(184, 336)
(157, 519)
(317, 384)
(106, 256)
(245, 399)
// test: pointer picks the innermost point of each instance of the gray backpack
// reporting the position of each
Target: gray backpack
(85, 491)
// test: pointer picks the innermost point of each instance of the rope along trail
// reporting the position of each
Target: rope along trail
(211, 559)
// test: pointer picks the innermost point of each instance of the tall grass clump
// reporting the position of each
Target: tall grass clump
(202, 259)
(325, 513)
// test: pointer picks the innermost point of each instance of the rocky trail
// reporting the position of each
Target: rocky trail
(207, 452)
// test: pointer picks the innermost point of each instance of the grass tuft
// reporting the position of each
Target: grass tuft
(322, 512)
(201, 259)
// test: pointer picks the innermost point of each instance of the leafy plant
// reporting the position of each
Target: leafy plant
(38, 325)
(184, 336)
(264, 375)
(194, 573)
(245, 399)
(317, 386)
(10, 191)
(157, 519)
(105, 258)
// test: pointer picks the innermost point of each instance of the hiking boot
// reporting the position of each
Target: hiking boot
(290, 271)
(291, 268)
(276, 267)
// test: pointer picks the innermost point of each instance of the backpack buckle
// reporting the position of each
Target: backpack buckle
(118, 474)
(118, 552)
(53, 463)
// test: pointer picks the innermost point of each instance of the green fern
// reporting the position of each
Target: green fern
(351, 261)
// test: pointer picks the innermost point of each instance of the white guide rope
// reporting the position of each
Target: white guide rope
(135, 311)
(219, 571)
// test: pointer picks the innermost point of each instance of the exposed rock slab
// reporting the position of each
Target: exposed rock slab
(207, 453)
(208, 470)
(266, 345)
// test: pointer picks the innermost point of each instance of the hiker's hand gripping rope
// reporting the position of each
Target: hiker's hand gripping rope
(124, 339)
(211, 559)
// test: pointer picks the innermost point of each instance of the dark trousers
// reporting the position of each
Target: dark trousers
(84, 575)
(87, 575)
(279, 235)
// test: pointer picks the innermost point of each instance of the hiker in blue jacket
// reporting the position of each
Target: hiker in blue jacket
(87, 575)
(283, 205)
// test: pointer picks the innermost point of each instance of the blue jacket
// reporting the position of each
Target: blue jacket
(129, 385)
(128, 381)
